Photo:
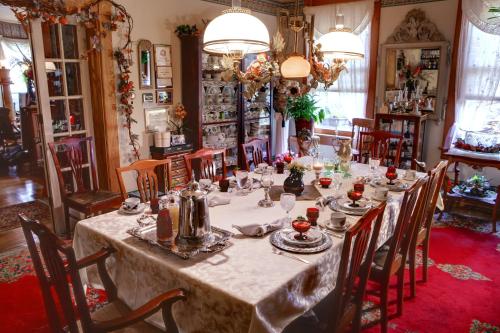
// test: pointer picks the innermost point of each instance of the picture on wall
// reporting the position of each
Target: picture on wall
(157, 119)
(162, 55)
(164, 97)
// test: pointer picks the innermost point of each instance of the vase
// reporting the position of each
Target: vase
(294, 183)
(302, 123)
(345, 154)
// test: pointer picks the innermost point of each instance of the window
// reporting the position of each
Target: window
(14, 51)
(346, 98)
(477, 117)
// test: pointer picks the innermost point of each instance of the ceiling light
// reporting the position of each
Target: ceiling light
(341, 43)
(295, 67)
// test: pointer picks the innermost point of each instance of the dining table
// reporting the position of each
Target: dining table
(246, 287)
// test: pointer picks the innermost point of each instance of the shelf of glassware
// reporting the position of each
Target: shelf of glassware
(257, 128)
(219, 102)
(217, 136)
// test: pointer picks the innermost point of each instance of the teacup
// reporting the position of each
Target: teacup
(338, 219)
(381, 193)
(205, 184)
(131, 203)
(410, 174)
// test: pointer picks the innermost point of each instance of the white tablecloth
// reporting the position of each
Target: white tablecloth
(245, 288)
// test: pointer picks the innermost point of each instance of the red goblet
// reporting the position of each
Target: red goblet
(391, 174)
(301, 226)
(354, 196)
(312, 215)
(359, 187)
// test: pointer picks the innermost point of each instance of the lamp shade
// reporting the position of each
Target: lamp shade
(342, 44)
(236, 32)
(295, 67)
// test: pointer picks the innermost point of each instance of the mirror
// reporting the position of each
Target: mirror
(414, 68)
(145, 60)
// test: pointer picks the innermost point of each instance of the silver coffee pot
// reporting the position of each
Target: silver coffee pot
(194, 220)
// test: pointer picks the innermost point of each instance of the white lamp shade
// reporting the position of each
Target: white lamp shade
(236, 31)
(295, 67)
(342, 44)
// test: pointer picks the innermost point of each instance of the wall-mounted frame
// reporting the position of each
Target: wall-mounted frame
(145, 61)
(163, 66)
(157, 118)
(164, 97)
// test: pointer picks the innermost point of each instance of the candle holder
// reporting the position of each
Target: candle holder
(391, 174)
(317, 167)
(266, 182)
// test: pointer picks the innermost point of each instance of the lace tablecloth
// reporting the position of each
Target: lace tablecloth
(245, 288)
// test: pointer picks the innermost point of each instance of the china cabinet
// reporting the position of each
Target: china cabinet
(218, 115)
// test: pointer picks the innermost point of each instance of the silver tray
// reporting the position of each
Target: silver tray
(278, 240)
(219, 240)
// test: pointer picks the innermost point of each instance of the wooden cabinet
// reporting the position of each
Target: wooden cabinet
(412, 128)
(218, 115)
(30, 134)
(176, 154)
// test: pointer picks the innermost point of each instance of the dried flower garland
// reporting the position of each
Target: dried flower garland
(55, 12)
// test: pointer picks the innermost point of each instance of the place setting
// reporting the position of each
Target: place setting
(391, 182)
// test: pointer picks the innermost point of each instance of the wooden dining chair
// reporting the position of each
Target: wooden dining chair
(256, 151)
(60, 280)
(379, 144)
(75, 158)
(147, 172)
(341, 309)
(360, 125)
(422, 233)
(202, 163)
(390, 259)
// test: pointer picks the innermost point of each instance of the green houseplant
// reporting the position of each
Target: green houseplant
(305, 112)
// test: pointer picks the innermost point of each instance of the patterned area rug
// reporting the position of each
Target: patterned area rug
(21, 306)
(463, 289)
(36, 210)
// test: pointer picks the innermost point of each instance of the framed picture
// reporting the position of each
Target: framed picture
(156, 119)
(164, 72)
(163, 83)
(164, 97)
(162, 55)
(148, 98)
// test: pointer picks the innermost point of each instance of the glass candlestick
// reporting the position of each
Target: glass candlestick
(317, 167)
(266, 182)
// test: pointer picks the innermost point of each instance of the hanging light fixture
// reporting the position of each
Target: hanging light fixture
(295, 66)
(341, 42)
(236, 32)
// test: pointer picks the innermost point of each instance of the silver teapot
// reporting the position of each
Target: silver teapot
(194, 220)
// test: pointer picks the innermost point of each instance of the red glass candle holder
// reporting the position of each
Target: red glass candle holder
(301, 226)
(391, 174)
(312, 215)
(359, 187)
(354, 196)
(325, 182)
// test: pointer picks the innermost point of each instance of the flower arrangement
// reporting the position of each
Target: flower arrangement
(461, 144)
(177, 125)
(297, 167)
(477, 186)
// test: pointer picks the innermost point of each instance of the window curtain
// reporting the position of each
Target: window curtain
(346, 98)
(12, 52)
(477, 106)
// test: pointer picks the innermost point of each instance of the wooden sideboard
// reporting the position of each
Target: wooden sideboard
(176, 154)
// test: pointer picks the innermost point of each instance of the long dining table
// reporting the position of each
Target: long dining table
(244, 288)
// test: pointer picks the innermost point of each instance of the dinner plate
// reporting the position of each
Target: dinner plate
(339, 206)
(278, 241)
(398, 186)
(314, 238)
(140, 208)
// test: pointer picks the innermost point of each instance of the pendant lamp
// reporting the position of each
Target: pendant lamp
(236, 32)
(341, 42)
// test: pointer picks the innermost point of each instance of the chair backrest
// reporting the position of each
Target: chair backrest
(74, 153)
(147, 177)
(54, 273)
(259, 151)
(378, 144)
(410, 211)
(360, 243)
(360, 125)
(206, 166)
(436, 178)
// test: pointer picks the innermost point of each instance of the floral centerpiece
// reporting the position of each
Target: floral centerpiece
(294, 182)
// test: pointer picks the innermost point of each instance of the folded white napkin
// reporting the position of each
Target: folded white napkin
(217, 200)
(257, 229)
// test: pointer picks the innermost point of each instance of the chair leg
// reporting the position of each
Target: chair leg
(413, 279)
(425, 259)
(67, 221)
(401, 284)
(383, 307)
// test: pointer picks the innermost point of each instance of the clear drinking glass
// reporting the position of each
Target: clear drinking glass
(241, 182)
(266, 182)
(374, 163)
(287, 202)
(337, 182)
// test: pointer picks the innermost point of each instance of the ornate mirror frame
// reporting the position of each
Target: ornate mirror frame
(417, 32)
(145, 64)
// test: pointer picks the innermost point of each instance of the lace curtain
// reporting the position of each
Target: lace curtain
(346, 99)
(12, 51)
(477, 109)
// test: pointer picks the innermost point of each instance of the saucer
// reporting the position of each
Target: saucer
(337, 228)
(140, 208)
(314, 237)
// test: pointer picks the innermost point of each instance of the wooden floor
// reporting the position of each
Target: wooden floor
(16, 189)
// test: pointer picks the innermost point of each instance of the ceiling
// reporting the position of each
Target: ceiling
(273, 6)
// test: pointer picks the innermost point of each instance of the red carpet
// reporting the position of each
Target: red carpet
(461, 296)
(21, 306)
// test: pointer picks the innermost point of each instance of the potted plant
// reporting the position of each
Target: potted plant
(185, 30)
(294, 183)
(305, 112)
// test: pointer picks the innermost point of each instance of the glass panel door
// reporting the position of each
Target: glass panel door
(63, 87)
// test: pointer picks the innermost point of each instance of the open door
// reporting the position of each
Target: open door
(63, 87)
